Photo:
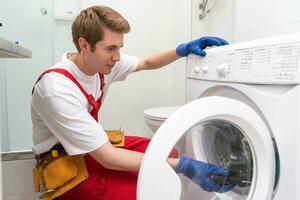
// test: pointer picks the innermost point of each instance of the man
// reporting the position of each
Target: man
(67, 97)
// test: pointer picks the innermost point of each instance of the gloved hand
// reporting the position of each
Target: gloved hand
(197, 46)
(199, 172)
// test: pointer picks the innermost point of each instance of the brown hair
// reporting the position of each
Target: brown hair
(90, 22)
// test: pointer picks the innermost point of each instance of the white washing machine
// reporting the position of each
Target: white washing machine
(242, 112)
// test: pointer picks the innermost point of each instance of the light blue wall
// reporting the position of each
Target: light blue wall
(3, 115)
(23, 22)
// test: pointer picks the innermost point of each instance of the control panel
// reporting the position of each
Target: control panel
(258, 62)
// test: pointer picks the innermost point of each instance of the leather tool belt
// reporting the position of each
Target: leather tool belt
(116, 137)
(56, 172)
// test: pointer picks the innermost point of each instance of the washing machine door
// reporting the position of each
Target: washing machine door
(222, 131)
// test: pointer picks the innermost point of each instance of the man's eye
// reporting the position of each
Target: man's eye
(110, 49)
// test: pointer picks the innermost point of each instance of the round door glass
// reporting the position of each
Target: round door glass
(224, 144)
(221, 143)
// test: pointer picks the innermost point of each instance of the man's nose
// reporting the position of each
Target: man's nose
(116, 56)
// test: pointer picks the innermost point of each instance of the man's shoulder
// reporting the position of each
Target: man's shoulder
(54, 83)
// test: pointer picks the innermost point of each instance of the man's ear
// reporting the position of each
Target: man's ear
(83, 44)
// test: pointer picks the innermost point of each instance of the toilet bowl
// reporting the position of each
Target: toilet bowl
(155, 117)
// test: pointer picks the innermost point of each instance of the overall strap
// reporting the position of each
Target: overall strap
(95, 104)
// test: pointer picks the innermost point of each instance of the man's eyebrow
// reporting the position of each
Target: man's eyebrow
(114, 46)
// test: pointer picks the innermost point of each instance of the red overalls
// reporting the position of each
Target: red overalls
(105, 184)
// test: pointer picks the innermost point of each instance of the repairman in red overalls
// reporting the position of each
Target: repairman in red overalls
(65, 104)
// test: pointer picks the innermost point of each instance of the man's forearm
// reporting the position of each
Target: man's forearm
(157, 60)
(122, 159)
(117, 158)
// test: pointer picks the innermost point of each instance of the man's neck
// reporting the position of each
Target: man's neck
(77, 59)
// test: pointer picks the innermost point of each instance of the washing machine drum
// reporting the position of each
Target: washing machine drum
(224, 144)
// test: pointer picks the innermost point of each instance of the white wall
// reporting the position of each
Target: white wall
(259, 19)
(182, 33)
(238, 21)
(64, 14)
(219, 22)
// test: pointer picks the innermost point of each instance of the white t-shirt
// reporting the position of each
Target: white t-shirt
(60, 111)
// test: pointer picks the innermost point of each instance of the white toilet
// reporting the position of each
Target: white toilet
(154, 117)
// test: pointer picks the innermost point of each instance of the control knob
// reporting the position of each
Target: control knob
(223, 69)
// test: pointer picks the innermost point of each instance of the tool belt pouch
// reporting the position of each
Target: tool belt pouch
(55, 176)
(116, 137)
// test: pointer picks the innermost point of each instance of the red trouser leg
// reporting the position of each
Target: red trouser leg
(106, 184)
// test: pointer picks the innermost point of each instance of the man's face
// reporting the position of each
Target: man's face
(107, 52)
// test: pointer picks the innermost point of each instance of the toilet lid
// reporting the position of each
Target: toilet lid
(160, 113)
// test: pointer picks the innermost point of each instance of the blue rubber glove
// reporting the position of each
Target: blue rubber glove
(199, 172)
(197, 46)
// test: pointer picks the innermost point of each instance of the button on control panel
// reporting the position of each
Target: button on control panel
(204, 69)
(197, 69)
(200, 69)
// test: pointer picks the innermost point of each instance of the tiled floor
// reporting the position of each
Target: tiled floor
(17, 180)
(31, 196)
